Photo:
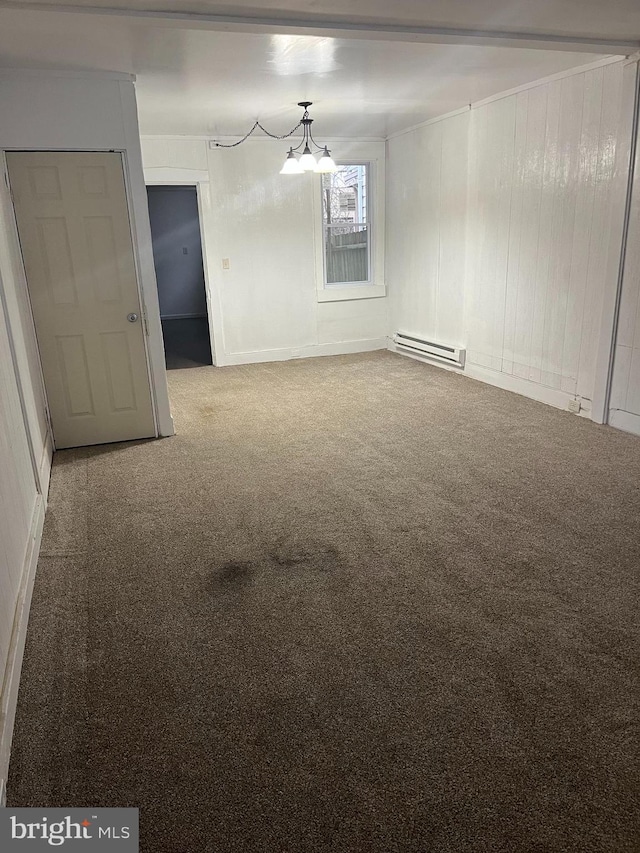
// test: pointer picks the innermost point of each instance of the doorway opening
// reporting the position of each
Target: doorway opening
(177, 255)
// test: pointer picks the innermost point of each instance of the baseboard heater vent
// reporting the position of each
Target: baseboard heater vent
(428, 349)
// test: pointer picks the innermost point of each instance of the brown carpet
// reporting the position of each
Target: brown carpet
(356, 604)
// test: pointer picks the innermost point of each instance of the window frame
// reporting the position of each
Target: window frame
(374, 287)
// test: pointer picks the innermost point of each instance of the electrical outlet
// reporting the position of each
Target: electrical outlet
(225, 263)
(574, 406)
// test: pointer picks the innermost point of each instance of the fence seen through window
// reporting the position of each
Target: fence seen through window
(346, 225)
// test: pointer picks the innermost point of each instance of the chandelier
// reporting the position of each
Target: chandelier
(306, 162)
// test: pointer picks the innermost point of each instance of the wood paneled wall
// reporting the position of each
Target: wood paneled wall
(498, 231)
(25, 462)
(18, 493)
(427, 179)
(541, 174)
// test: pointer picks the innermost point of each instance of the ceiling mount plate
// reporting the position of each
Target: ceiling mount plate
(305, 104)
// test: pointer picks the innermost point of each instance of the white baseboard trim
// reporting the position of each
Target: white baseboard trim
(506, 381)
(625, 421)
(524, 387)
(340, 348)
(9, 695)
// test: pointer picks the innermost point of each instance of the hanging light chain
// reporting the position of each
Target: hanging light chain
(255, 127)
(292, 165)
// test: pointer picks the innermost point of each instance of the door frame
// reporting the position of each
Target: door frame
(147, 297)
(169, 177)
(618, 236)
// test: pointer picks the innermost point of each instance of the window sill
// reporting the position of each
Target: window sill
(343, 294)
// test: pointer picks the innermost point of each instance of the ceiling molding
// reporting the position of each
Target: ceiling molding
(320, 26)
(428, 122)
(570, 72)
(560, 75)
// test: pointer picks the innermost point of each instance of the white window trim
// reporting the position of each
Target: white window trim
(375, 288)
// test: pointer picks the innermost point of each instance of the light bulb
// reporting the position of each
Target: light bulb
(308, 162)
(291, 165)
(325, 163)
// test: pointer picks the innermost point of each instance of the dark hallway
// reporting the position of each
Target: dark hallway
(177, 254)
(186, 342)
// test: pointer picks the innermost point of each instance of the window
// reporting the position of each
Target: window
(346, 225)
(348, 219)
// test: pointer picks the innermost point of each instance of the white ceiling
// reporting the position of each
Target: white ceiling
(204, 80)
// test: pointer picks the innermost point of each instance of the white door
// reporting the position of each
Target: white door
(75, 235)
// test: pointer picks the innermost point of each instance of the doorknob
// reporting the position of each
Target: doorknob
(132, 317)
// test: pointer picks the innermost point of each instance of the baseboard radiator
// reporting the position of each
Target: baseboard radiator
(430, 350)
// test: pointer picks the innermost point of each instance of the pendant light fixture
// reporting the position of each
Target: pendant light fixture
(291, 165)
(307, 161)
(325, 163)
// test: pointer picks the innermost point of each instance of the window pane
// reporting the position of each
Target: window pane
(346, 224)
(344, 195)
(346, 253)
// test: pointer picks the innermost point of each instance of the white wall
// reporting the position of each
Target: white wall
(25, 463)
(21, 519)
(542, 169)
(427, 180)
(540, 188)
(25, 348)
(264, 307)
(54, 111)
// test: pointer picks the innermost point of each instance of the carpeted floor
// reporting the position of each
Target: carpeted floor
(356, 604)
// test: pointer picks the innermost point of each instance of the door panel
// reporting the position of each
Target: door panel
(73, 223)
